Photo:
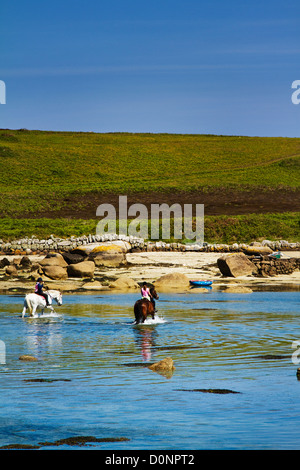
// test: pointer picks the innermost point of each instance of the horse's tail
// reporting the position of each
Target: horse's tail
(139, 313)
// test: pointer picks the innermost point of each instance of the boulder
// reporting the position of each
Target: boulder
(93, 285)
(55, 272)
(238, 290)
(257, 250)
(236, 264)
(73, 258)
(108, 259)
(124, 283)
(4, 262)
(198, 290)
(27, 357)
(25, 263)
(83, 269)
(172, 280)
(163, 365)
(116, 246)
(54, 259)
(11, 271)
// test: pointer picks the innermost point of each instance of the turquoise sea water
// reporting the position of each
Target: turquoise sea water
(93, 379)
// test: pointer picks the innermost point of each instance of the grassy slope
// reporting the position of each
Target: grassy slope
(218, 229)
(41, 168)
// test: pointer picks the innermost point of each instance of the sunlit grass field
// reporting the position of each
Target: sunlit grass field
(218, 229)
(38, 170)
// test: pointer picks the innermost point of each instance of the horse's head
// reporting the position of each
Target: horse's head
(154, 293)
(59, 299)
(57, 296)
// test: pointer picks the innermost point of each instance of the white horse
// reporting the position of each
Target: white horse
(35, 301)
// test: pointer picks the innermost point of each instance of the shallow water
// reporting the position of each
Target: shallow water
(93, 380)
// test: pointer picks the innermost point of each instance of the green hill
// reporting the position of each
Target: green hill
(67, 174)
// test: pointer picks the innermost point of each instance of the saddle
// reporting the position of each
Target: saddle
(48, 301)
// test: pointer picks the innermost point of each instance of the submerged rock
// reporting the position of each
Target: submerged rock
(19, 446)
(163, 365)
(82, 440)
(220, 391)
(27, 357)
(79, 441)
(238, 290)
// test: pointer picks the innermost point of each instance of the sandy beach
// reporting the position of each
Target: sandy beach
(150, 266)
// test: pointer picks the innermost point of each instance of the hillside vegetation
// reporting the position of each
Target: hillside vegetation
(41, 172)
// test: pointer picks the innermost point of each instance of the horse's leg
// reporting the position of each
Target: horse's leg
(29, 305)
(141, 317)
(24, 309)
(144, 313)
(33, 310)
(149, 310)
(136, 313)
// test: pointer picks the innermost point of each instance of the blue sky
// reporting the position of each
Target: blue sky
(193, 66)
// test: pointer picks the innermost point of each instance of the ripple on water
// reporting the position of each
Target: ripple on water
(92, 373)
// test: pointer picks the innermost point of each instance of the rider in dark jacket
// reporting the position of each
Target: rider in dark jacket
(39, 290)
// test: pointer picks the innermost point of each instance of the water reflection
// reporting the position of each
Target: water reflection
(145, 339)
(43, 336)
(83, 383)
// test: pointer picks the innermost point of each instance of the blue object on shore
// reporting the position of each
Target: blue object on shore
(201, 283)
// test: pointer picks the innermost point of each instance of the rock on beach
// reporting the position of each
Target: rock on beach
(235, 265)
(172, 280)
(108, 259)
(83, 269)
(11, 271)
(55, 259)
(55, 272)
(124, 283)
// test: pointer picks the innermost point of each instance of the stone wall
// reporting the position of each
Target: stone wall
(34, 245)
(267, 266)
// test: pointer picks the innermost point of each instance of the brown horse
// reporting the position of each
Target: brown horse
(144, 307)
